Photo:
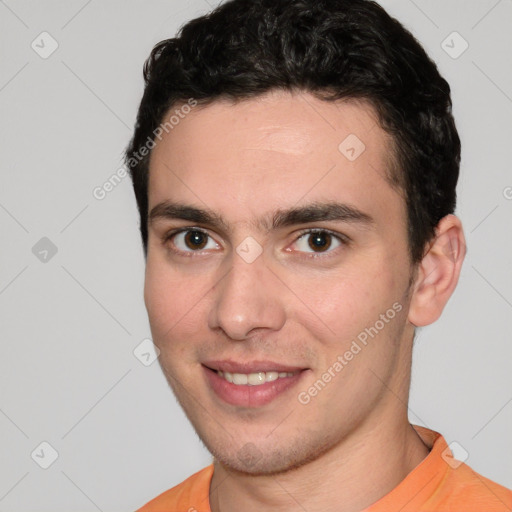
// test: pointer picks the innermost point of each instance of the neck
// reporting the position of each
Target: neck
(350, 477)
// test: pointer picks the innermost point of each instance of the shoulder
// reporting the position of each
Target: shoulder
(463, 485)
(441, 483)
(192, 495)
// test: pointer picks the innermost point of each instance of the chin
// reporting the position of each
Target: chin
(255, 460)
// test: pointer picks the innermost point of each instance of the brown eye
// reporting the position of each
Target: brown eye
(319, 241)
(190, 241)
(196, 239)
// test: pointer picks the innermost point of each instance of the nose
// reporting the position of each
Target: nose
(250, 297)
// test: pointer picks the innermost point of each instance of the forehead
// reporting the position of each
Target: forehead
(277, 149)
(294, 123)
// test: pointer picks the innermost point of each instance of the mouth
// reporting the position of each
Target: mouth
(254, 379)
(251, 384)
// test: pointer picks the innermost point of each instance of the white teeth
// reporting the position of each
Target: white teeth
(239, 378)
(253, 379)
(271, 376)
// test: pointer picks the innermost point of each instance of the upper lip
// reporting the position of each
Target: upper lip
(230, 366)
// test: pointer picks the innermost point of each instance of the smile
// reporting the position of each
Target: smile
(254, 379)
(251, 383)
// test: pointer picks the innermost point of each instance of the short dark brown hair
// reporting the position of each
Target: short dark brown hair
(333, 49)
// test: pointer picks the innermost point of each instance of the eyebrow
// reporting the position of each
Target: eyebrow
(313, 212)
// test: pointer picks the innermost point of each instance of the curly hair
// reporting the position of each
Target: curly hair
(333, 49)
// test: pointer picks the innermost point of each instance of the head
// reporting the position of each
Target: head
(258, 122)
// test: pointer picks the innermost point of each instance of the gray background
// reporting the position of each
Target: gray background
(70, 323)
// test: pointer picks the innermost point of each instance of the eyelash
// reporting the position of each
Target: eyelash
(343, 239)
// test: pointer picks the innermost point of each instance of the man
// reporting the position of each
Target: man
(295, 164)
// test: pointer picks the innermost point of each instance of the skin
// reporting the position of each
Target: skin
(294, 304)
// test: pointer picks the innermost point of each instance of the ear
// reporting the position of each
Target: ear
(438, 272)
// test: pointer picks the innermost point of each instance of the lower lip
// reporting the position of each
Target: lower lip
(250, 396)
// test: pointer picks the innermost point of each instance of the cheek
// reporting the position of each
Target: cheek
(169, 302)
(345, 303)
(347, 294)
(173, 310)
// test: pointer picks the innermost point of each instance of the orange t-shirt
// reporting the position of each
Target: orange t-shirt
(438, 484)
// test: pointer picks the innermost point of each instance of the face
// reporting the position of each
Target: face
(277, 276)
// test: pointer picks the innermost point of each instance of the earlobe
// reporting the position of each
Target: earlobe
(438, 272)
